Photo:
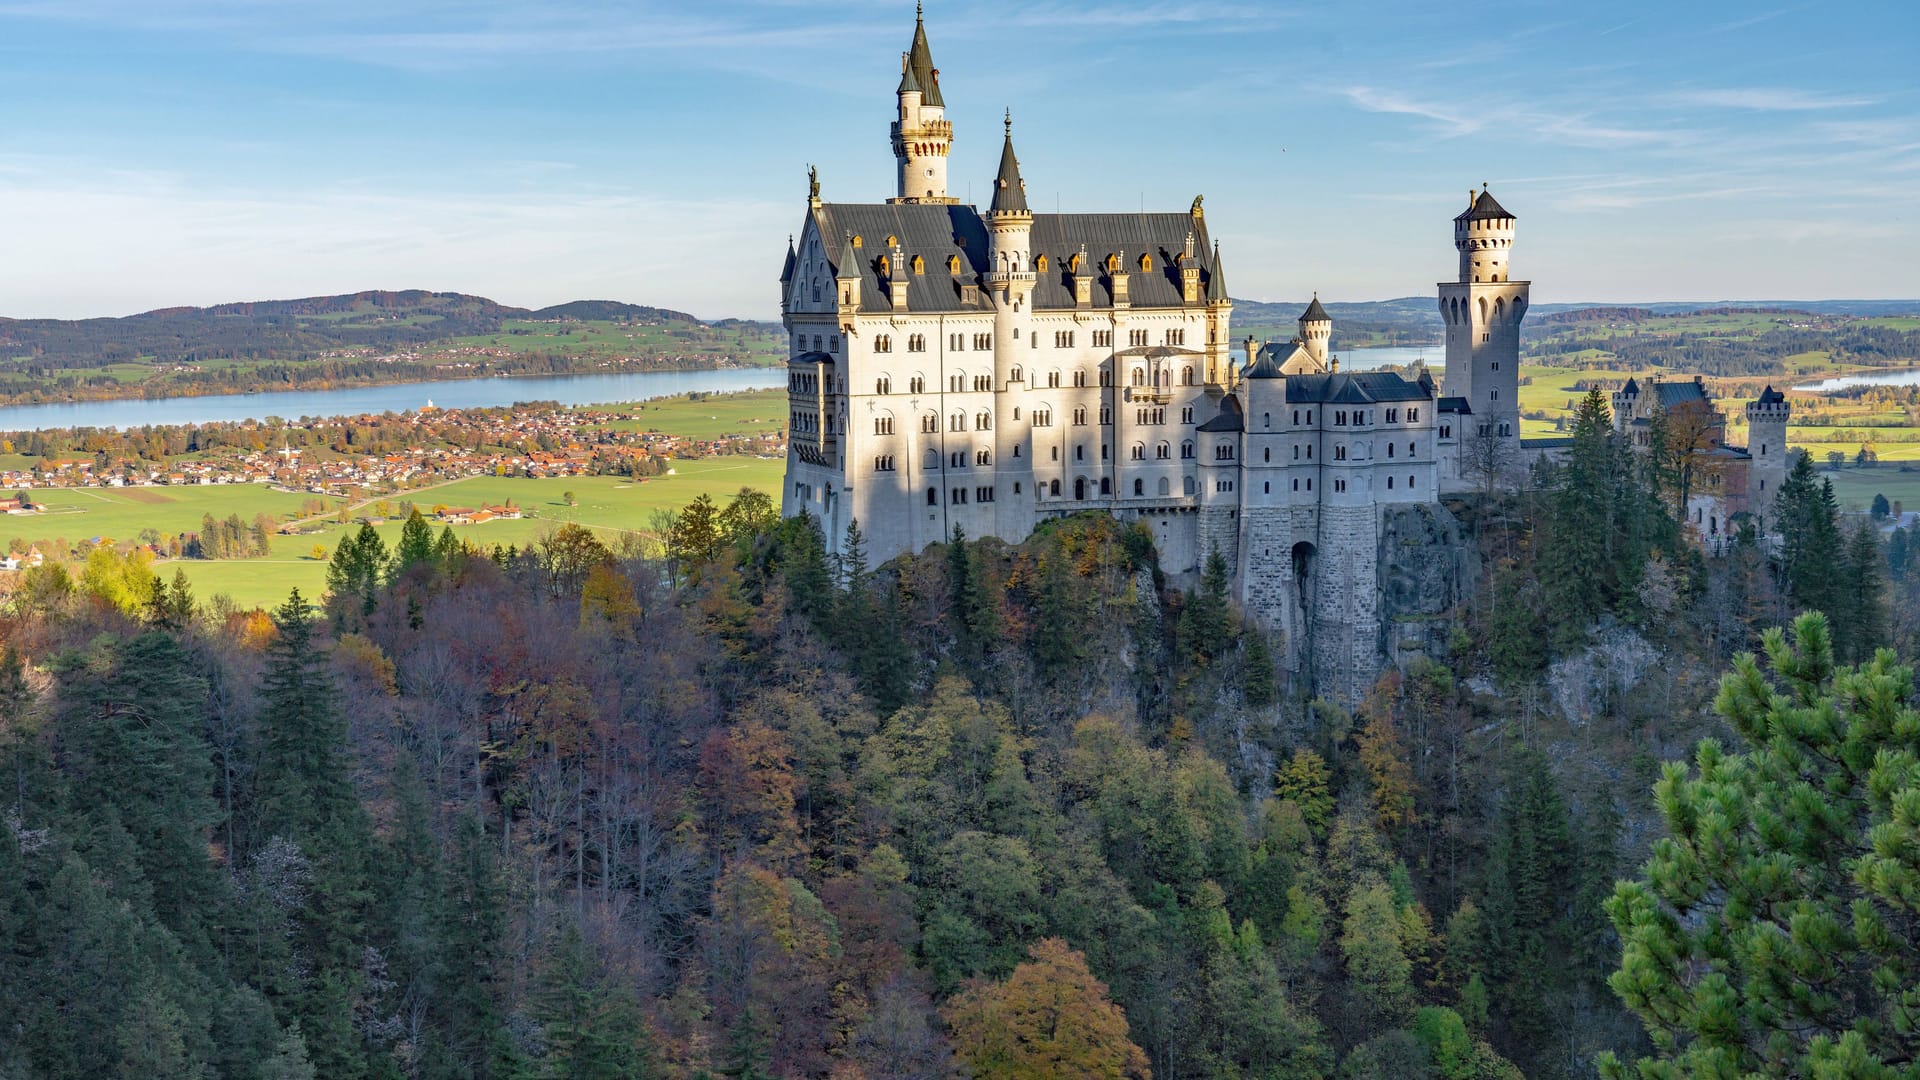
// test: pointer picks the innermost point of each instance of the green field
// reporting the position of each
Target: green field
(612, 506)
(1855, 488)
(596, 337)
(754, 412)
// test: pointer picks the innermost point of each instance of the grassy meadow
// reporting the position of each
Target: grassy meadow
(708, 416)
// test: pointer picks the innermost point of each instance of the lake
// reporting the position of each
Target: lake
(398, 397)
(1844, 382)
(477, 394)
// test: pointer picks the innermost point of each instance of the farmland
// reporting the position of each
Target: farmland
(611, 506)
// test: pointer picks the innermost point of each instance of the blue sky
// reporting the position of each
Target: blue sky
(160, 152)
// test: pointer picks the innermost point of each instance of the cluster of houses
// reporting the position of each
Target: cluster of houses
(543, 442)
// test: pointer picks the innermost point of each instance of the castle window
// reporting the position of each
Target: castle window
(1079, 418)
(1409, 449)
(883, 425)
(884, 463)
(1139, 486)
(983, 457)
(1139, 452)
(1040, 264)
(1496, 394)
(1043, 417)
(983, 382)
(959, 497)
(1296, 483)
(1136, 338)
(1146, 263)
(1187, 484)
(917, 385)
(933, 496)
(1496, 365)
(1389, 449)
(1186, 415)
(1053, 380)
(1446, 431)
(1413, 416)
(893, 241)
(958, 422)
(1053, 488)
(1186, 451)
(1266, 488)
(1309, 451)
(1113, 264)
(883, 385)
(917, 343)
(1079, 453)
(1103, 339)
(1016, 376)
(1106, 485)
(1409, 481)
(1106, 416)
(982, 421)
(919, 265)
(953, 264)
(1163, 451)
(1339, 453)
(1139, 377)
(1267, 454)
(929, 424)
(1389, 483)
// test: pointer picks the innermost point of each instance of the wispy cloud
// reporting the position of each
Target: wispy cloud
(1766, 99)
(1451, 119)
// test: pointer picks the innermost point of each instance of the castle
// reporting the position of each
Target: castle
(1724, 485)
(958, 370)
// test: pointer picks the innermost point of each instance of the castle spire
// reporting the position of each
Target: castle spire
(1009, 191)
(920, 59)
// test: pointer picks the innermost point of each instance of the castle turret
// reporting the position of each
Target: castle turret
(1482, 311)
(1316, 329)
(1010, 282)
(922, 136)
(847, 277)
(1767, 417)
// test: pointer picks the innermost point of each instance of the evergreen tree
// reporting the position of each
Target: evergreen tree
(304, 794)
(1810, 569)
(1773, 932)
(354, 576)
(1865, 595)
(415, 547)
(593, 1031)
(447, 550)
(1207, 621)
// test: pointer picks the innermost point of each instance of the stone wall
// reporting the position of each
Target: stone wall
(1425, 571)
(1345, 617)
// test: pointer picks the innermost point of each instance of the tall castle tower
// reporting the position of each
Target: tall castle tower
(922, 135)
(1010, 282)
(1482, 311)
(1767, 417)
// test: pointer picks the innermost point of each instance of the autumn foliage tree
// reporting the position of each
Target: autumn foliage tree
(1050, 1020)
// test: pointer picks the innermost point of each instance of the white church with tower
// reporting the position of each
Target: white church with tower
(958, 370)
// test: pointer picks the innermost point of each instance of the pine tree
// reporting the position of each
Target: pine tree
(1865, 595)
(1772, 933)
(1206, 622)
(593, 1031)
(415, 547)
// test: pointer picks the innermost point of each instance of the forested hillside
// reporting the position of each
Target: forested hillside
(736, 809)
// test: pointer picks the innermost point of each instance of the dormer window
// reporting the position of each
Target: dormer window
(953, 264)
(919, 265)
(1146, 263)
(1040, 264)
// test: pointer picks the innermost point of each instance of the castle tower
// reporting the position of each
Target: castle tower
(1010, 282)
(1316, 330)
(1767, 417)
(1482, 311)
(922, 136)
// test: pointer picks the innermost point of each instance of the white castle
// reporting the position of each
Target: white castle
(958, 370)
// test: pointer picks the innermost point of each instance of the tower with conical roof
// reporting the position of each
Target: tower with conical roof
(922, 135)
(1482, 311)
(1011, 279)
(1316, 330)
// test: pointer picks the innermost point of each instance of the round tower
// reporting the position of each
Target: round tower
(1316, 330)
(922, 136)
(1010, 283)
(1484, 237)
(1767, 417)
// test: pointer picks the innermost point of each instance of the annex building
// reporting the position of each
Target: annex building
(953, 368)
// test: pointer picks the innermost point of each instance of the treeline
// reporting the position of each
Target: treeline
(1719, 354)
(746, 810)
(231, 538)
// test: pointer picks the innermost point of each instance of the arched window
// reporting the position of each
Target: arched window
(1053, 488)
(1040, 264)
(1146, 263)
(893, 242)
(1186, 451)
(1139, 377)
(982, 422)
(1188, 484)
(883, 385)
(933, 496)
(1139, 452)
(1139, 486)
(1163, 451)
(1166, 486)
(933, 459)
(953, 264)
(919, 265)
(1113, 264)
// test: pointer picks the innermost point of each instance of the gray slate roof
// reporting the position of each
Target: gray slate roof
(1454, 405)
(1009, 191)
(1354, 388)
(1231, 417)
(920, 59)
(1770, 396)
(936, 233)
(1314, 312)
(808, 359)
(1217, 278)
(1632, 387)
(1483, 208)
(1672, 394)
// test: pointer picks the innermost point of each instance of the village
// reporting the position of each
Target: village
(315, 457)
